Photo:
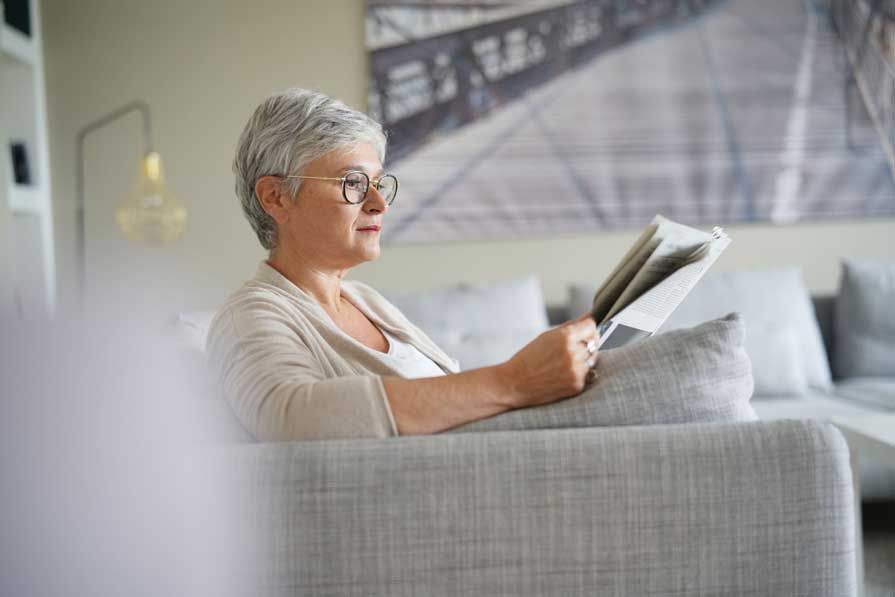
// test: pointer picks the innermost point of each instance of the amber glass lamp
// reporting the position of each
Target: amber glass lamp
(149, 213)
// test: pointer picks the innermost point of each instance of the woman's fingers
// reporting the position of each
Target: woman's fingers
(557, 363)
(584, 328)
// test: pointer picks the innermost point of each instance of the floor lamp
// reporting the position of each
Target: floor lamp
(149, 213)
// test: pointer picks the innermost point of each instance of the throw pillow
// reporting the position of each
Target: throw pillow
(478, 324)
(864, 322)
(776, 361)
(580, 299)
(474, 350)
(697, 375)
(198, 383)
(767, 299)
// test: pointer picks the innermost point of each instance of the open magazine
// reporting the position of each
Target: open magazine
(652, 279)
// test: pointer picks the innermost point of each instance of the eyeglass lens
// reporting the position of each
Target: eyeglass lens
(356, 184)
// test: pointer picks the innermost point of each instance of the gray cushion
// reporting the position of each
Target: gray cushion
(769, 299)
(814, 405)
(865, 324)
(875, 392)
(478, 324)
(695, 375)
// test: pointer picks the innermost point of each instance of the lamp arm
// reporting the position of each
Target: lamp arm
(138, 106)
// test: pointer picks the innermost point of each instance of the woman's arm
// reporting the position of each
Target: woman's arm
(279, 392)
(433, 404)
(551, 367)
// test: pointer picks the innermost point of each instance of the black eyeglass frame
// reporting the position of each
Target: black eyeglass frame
(343, 180)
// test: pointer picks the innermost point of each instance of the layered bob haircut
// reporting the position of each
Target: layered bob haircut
(287, 131)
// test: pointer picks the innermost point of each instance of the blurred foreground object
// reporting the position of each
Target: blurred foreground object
(112, 481)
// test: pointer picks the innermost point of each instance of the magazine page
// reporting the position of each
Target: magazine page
(680, 245)
(626, 269)
(643, 316)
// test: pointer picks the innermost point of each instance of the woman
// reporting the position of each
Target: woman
(303, 353)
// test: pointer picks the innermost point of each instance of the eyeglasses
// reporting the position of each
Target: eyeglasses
(355, 185)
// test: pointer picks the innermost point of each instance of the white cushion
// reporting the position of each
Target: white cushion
(873, 392)
(580, 298)
(192, 327)
(474, 350)
(478, 324)
(776, 360)
(814, 405)
(769, 299)
(218, 419)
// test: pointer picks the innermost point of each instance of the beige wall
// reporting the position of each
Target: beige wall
(6, 261)
(203, 65)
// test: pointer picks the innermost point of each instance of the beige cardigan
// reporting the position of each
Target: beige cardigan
(290, 373)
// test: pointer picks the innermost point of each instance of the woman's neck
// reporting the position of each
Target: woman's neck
(325, 285)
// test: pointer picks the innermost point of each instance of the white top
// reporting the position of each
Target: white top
(409, 360)
(291, 373)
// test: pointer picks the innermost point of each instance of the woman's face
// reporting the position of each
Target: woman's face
(324, 228)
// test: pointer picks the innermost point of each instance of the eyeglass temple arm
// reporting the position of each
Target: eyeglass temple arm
(315, 177)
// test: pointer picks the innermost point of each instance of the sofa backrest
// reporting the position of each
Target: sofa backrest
(557, 314)
(823, 310)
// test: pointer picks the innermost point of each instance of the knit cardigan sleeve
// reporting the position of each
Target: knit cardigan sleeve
(278, 389)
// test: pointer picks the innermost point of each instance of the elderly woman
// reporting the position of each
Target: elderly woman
(302, 352)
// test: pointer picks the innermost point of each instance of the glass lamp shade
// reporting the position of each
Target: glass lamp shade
(150, 213)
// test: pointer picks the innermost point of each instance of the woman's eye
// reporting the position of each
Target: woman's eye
(354, 182)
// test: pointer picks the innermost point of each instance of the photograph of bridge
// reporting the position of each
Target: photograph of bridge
(533, 118)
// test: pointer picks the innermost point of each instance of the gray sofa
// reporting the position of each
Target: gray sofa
(762, 508)
(759, 508)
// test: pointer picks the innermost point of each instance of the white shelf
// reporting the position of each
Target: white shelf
(24, 199)
(17, 45)
(27, 210)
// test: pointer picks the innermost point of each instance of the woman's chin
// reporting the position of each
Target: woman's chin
(370, 251)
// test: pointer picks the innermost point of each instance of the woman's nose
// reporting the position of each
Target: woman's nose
(375, 200)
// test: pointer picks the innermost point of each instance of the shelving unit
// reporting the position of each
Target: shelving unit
(27, 207)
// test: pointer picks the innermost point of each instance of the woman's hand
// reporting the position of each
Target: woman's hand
(554, 365)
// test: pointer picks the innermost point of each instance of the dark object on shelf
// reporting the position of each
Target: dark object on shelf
(18, 15)
(20, 171)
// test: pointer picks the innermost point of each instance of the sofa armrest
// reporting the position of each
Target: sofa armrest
(762, 508)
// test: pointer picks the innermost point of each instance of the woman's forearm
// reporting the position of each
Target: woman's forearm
(433, 404)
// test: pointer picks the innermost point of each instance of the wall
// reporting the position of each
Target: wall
(203, 66)
(6, 261)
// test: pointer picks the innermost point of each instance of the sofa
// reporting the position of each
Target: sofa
(762, 507)
(800, 370)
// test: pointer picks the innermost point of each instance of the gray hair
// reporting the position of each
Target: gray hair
(287, 131)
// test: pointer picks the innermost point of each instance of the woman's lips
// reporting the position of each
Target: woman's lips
(373, 229)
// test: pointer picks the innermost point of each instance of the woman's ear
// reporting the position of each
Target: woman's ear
(272, 198)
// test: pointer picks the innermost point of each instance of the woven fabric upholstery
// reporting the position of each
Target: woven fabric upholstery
(697, 375)
(723, 509)
(864, 326)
